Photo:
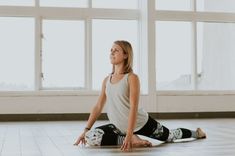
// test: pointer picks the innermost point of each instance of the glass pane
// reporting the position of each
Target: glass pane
(184, 5)
(216, 60)
(63, 53)
(64, 3)
(104, 33)
(16, 53)
(216, 5)
(121, 4)
(17, 2)
(173, 55)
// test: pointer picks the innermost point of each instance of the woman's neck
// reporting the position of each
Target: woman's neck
(118, 72)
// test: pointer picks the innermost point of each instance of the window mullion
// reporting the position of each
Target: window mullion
(38, 52)
(194, 77)
(89, 3)
(194, 56)
(88, 54)
(37, 3)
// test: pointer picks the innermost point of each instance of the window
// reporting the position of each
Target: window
(216, 5)
(63, 42)
(216, 57)
(173, 55)
(105, 32)
(63, 54)
(199, 55)
(17, 2)
(16, 53)
(120, 4)
(183, 5)
(64, 3)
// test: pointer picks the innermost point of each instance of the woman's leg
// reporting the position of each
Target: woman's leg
(104, 135)
(109, 135)
(180, 133)
(155, 130)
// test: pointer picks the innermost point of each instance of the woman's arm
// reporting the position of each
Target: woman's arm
(134, 91)
(97, 109)
(95, 113)
(134, 101)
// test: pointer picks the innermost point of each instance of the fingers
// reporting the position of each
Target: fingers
(77, 142)
(127, 146)
(80, 141)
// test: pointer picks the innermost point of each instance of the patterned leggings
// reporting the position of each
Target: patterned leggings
(110, 135)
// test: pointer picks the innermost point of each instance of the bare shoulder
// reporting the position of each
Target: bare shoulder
(105, 80)
(133, 77)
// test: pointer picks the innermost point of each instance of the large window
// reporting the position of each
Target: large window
(63, 44)
(16, 53)
(105, 32)
(216, 57)
(194, 51)
(63, 54)
(173, 53)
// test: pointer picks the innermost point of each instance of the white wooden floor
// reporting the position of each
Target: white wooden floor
(57, 138)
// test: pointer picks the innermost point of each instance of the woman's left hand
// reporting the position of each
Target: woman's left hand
(127, 143)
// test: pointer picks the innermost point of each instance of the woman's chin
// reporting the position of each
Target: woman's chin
(112, 62)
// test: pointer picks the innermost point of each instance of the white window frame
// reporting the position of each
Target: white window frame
(146, 15)
(194, 17)
(60, 13)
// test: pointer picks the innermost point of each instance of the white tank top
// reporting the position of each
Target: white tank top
(118, 105)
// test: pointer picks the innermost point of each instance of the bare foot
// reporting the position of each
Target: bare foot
(138, 142)
(200, 134)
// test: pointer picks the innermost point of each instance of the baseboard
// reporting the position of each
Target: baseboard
(193, 115)
(47, 117)
(103, 116)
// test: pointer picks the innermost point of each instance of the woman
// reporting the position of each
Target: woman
(120, 92)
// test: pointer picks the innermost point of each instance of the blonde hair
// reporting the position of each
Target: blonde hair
(127, 49)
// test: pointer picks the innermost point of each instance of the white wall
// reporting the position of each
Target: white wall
(44, 104)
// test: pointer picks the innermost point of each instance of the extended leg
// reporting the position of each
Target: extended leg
(157, 131)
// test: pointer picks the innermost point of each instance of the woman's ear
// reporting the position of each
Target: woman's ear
(125, 56)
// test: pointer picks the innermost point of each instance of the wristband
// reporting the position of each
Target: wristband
(86, 128)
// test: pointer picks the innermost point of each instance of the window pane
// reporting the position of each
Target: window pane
(216, 5)
(17, 2)
(16, 53)
(216, 60)
(121, 4)
(173, 55)
(105, 32)
(64, 3)
(63, 53)
(184, 5)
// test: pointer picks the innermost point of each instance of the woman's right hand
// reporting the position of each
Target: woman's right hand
(81, 139)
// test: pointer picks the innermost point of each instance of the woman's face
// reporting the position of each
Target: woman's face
(117, 55)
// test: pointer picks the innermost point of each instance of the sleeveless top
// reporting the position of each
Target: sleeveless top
(118, 105)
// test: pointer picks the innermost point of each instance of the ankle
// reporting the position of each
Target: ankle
(200, 134)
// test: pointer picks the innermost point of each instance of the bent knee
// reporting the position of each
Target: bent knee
(94, 137)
